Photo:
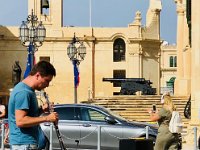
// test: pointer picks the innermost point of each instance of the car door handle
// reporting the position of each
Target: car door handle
(87, 125)
(47, 123)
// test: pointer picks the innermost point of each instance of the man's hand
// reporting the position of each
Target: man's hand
(52, 117)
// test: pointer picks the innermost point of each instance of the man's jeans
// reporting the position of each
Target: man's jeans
(24, 147)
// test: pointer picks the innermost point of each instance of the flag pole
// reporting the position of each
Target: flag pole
(90, 13)
(76, 80)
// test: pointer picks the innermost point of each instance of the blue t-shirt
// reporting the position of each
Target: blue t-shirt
(23, 97)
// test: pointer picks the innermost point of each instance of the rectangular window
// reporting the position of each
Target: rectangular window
(172, 61)
(118, 74)
(45, 58)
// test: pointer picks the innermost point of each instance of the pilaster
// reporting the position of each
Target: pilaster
(195, 86)
(181, 84)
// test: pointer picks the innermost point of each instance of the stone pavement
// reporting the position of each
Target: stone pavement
(188, 147)
(185, 147)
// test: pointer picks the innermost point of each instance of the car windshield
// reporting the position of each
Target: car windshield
(113, 113)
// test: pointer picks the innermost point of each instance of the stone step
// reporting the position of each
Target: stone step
(138, 101)
(138, 114)
(139, 97)
(143, 97)
(147, 118)
(134, 108)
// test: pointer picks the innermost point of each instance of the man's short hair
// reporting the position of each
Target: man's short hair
(44, 68)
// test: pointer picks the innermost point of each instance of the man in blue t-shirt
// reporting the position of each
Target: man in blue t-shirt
(23, 111)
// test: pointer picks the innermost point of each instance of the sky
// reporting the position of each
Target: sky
(104, 13)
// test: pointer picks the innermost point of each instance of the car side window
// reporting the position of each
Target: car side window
(96, 116)
(66, 113)
(92, 115)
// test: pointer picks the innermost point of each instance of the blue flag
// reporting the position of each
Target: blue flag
(76, 74)
(30, 60)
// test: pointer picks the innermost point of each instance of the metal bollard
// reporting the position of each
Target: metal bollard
(99, 138)
(51, 137)
(2, 135)
(147, 132)
(195, 138)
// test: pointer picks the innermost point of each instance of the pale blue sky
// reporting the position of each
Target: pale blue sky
(105, 13)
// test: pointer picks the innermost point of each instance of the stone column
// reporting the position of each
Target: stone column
(195, 70)
(140, 63)
(195, 84)
(180, 40)
(187, 64)
(159, 68)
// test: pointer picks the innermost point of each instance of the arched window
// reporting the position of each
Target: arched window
(172, 61)
(119, 50)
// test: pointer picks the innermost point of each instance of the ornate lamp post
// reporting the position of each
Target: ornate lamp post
(76, 51)
(32, 33)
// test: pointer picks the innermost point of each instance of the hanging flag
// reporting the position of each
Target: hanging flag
(30, 60)
(76, 73)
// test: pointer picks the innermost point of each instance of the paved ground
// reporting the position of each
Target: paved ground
(188, 147)
(185, 147)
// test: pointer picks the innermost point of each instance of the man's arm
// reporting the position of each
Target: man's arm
(23, 120)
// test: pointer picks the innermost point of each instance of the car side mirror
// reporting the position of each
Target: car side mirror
(110, 120)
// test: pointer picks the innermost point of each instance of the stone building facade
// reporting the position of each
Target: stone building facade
(188, 52)
(168, 68)
(183, 81)
(132, 52)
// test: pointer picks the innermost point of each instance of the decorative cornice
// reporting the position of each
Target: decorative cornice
(168, 47)
(169, 69)
(180, 9)
(4, 38)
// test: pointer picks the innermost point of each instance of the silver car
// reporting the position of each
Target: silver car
(79, 125)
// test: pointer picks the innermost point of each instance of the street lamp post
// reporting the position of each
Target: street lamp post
(76, 51)
(32, 33)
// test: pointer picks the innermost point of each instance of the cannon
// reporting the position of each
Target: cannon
(129, 86)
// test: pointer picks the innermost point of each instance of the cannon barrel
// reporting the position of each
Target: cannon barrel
(129, 86)
(112, 80)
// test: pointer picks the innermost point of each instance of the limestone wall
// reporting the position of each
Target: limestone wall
(142, 54)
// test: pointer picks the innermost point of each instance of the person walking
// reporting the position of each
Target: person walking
(23, 110)
(165, 140)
